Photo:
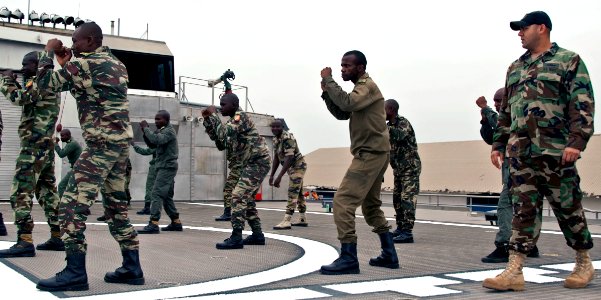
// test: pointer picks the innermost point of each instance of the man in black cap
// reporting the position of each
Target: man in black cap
(545, 122)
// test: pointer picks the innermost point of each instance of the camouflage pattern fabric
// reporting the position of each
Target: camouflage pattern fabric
(34, 170)
(98, 81)
(254, 157)
(550, 100)
(504, 205)
(71, 150)
(151, 177)
(286, 146)
(166, 166)
(548, 106)
(535, 178)
(233, 162)
(406, 166)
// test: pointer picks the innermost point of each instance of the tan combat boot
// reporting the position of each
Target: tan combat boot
(512, 278)
(302, 220)
(285, 224)
(583, 271)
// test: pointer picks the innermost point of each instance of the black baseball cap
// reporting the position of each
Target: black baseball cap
(535, 17)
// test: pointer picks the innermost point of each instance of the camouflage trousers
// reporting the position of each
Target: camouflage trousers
(150, 179)
(162, 194)
(230, 183)
(34, 175)
(100, 166)
(62, 185)
(296, 174)
(243, 195)
(361, 186)
(404, 197)
(544, 176)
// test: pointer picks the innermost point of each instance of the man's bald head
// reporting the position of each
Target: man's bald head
(498, 98)
(91, 30)
(164, 114)
(229, 104)
(65, 135)
(231, 98)
(31, 56)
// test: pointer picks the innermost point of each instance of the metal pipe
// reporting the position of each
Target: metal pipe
(118, 26)
(112, 27)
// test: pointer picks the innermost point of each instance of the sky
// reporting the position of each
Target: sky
(434, 57)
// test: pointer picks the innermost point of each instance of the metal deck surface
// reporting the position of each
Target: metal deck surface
(443, 263)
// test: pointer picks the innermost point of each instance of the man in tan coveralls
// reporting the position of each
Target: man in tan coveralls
(370, 147)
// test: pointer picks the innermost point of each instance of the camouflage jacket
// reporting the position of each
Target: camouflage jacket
(240, 131)
(71, 150)
(286, 145)
(488, 125)
(364, 106)
(98, 81)
(167, 150)
(487, 131)
(548, 105)
(146, 151)
(403, 146)
(39, 114)
(223, 144)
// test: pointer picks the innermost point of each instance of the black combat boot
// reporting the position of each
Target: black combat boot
(101, 218)
(72, 278)
(227, 215)
(145, 210)
(347, 263)
(406, 236)
(257, 237)
(233, 242)
(2, 226)
(499, 255)
(388, 258)
(534, 252)
(151, 228)
(130, 272)
(20, 249)
(396, 232)
(254, 239)
(175, 225)
(53, 244)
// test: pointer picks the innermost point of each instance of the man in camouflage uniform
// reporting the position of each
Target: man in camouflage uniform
(98, 82)
(288, 155)
(253, 153)
(235, 169)
(166, 166)
(545, 122)
(370, 146)
(150, 178)
(71, 150)
(2, 226)
(34, 171)
(504, 206)
(406, 168)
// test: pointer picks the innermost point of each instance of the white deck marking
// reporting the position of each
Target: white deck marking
(285, 294)
(13, 284)
(425, 286)
(416, 221)
(570, 266)
(530, 275)
(316, 254)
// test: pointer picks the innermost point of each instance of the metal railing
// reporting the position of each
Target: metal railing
(186, 82)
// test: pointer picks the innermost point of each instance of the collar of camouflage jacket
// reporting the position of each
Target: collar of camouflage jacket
(551, 51)
(101, 49)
